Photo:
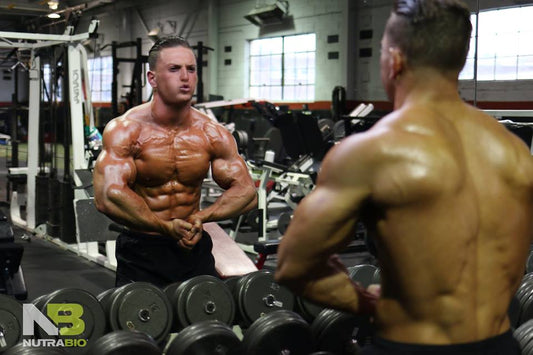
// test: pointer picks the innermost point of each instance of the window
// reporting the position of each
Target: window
(100, 77)
(283, 68)
(505, 48)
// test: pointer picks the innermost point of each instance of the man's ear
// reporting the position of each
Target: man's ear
(396, 63)
(150, 75)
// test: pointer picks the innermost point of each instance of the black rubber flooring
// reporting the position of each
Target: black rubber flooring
(47, 267)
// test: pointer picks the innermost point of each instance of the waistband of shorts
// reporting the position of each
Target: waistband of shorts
(488, 342)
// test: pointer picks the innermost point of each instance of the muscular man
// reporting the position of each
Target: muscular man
(149, 175)
(446, 190)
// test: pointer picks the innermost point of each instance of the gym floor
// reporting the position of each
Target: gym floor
(46, 266)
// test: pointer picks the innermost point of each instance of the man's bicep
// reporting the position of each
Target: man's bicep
(112, 171)
(228, 169)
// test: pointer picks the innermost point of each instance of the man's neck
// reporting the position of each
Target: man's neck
(169, 115)
(425, 85)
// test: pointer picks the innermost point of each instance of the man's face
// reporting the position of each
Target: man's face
(175, 75)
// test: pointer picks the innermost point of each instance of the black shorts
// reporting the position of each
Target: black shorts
(503, 344)
(159, 260)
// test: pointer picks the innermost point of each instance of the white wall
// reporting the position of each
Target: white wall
(374, 14)
(323, 17)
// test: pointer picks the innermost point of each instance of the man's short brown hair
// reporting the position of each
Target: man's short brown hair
(431, 33)
(165, 42)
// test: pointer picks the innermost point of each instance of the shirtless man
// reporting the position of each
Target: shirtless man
(446, 190)
(149, 175)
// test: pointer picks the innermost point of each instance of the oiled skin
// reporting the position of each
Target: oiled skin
(155, 157)
(447, 193)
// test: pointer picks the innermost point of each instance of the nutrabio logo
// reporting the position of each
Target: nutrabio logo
(62, 323)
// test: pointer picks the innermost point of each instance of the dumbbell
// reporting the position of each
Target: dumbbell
(199, 299)
(257, 294)
(138, 306)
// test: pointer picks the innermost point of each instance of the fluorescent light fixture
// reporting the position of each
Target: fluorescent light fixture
(53, 4)
(268, 14)
(53, 15)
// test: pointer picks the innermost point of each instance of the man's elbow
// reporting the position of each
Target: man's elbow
(103, 201)
(252, 195)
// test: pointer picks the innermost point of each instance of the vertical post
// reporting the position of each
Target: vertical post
(114, 86)
(212, 34)
(14, 124)
(138, 73)
(33, 138)
(76, 118)
(199, 70)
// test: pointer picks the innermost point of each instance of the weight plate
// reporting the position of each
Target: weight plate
(19, 349)
(124, 342)
(527, 338)
(204, 298)
(258, 295)
(307, 309)
(529, 264)
(362, 274)
(205, 338)
(141, 306)
(283, 222)
(253, 219)
(521, 332)
(230, 282)
(171, 291)
(336, 331)
(377, 277)
(278, 332)
(528, 350)
(93, 315)
(528, 276)
(524, 288)
(526, 306)
(38, 302)
(10, 322)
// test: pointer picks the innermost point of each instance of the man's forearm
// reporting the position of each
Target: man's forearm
(233, 202)
(338, 291)
(127, 208)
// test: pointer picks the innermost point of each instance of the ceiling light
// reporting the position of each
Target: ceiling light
(53, 4)
(53, 15)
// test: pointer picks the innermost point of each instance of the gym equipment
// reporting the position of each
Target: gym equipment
(341, 333)
(278, 332)
(364, 274)
(283, 222)
(10, 322)
(257, 294)
(206, 337)
(199, 299)
(134, 97)
(524, 335)
(20, 349)
(307, 309)
(11, 276)
(93, 315)
(123, 342)
(138, 306)
(524, 294)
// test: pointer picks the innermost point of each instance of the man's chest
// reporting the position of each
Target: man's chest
(159, 158)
